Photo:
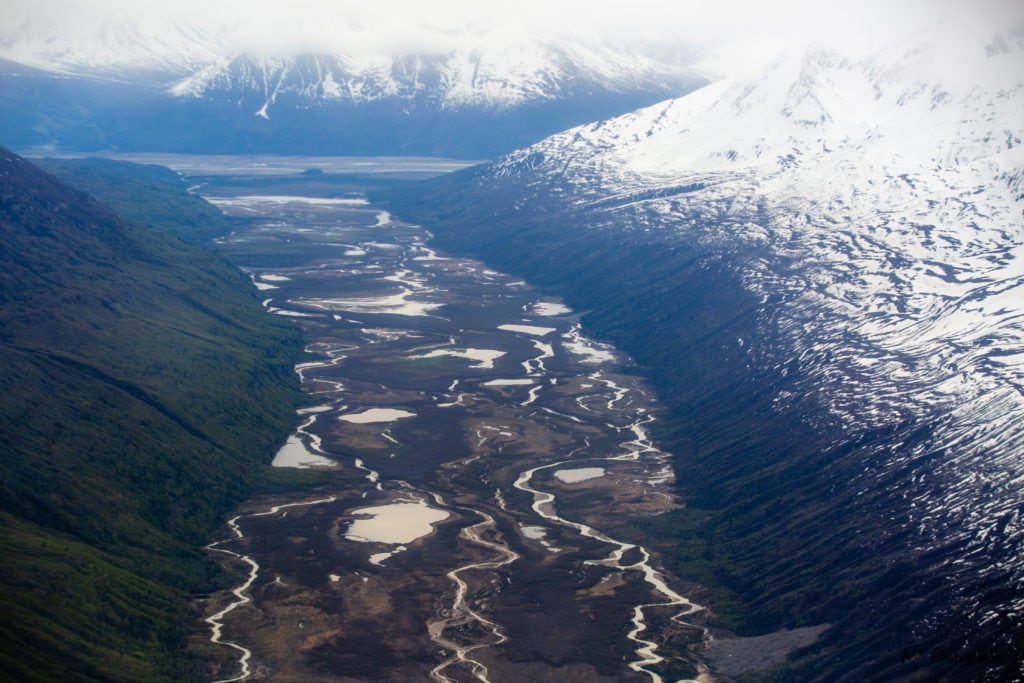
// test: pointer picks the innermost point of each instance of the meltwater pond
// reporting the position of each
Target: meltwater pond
(401, 522)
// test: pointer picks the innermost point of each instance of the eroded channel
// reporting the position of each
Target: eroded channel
(482, 468)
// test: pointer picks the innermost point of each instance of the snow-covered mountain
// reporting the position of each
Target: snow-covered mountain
(502, 78)
(196, 90)
(872, 208)
(891, 187)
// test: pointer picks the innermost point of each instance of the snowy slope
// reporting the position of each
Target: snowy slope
(875, 204)
(501, 77)
(901, 197)
(191, 89)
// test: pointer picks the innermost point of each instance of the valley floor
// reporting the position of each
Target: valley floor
(482, 469)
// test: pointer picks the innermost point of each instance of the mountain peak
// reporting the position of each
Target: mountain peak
(902, 105)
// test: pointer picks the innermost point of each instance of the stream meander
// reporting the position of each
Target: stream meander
(484, 466)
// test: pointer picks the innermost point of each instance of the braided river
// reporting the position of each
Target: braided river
(471, 472)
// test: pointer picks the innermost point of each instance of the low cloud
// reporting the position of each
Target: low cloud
(737, 32)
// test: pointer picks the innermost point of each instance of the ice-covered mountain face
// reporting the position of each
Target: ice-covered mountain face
(197, 90)
(504, 77)
(887, 192)
(872, 209)
(882, 203)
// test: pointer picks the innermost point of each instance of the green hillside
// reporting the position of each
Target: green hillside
(151, 195)
(141, 388)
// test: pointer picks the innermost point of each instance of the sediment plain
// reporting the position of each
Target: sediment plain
(481, 469)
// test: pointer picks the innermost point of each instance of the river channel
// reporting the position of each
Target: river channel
(482, 469)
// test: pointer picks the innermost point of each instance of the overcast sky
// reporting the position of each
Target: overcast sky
(742, 30)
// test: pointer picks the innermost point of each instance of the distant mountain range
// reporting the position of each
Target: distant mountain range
(187, 93)
(823, 270)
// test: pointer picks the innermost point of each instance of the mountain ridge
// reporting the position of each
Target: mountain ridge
(498, 77)
(829, 299)
(471, 101)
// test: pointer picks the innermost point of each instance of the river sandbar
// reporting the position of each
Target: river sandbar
(535, 330)
(484, 358)
(372, 415)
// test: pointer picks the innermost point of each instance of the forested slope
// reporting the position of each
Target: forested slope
(142, 387)
(151, 195)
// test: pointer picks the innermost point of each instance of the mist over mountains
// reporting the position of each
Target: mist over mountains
(190, 92)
